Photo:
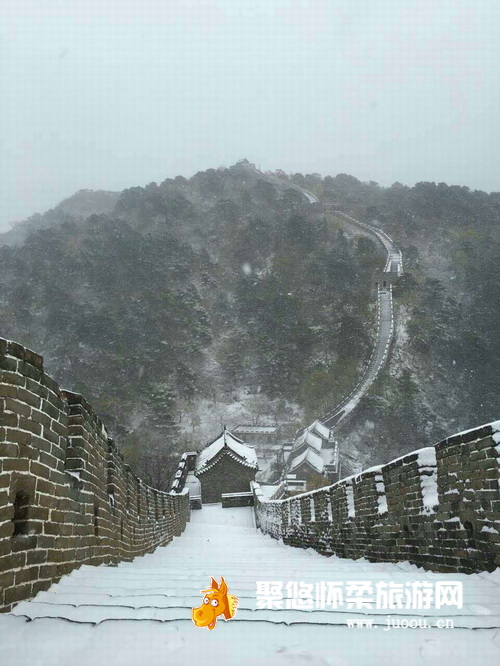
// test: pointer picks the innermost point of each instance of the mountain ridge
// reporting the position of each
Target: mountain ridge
(223, 298)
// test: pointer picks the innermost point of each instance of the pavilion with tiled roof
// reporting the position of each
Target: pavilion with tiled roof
(226, 465)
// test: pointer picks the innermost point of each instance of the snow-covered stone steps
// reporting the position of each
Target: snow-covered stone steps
(114, 576)
(165, 585)
(186, 599)
(77, 596)
(236, 568)
(98, 614)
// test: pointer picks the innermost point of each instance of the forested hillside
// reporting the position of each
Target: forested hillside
(181, 306)
(444, 375)
(194, 302)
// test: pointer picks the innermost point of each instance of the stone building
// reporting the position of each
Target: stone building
(226, 465)
(314, 452)
(258, 435)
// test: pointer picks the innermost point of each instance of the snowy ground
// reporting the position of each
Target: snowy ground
(267, 455)
(140, 612)
(204, 419)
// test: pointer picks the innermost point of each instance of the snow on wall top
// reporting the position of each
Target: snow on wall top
(426, 460)
(228, 440)
(193, 485)
(321, 429)
(251, 430)
(487, 429)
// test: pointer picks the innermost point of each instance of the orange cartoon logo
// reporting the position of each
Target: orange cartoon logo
(216, 602)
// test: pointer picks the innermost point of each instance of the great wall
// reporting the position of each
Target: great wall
(438, 507)
(392, 270)
(342, 412)
(68, 498)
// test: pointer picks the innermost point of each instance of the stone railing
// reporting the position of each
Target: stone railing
(438, 507)
(186, 465)
(67, 497)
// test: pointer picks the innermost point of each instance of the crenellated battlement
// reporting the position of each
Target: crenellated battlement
(438, 507)
(67, 496)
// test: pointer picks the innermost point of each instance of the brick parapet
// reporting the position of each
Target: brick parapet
(82, 502)
(438, 507)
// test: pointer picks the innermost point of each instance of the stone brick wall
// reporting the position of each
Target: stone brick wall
(226, 476)
(67, 497)
(231, 500)
(438, 507)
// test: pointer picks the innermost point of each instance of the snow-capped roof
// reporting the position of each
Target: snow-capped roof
(308, 438)
(310, 457)
(320, 429)
(235, 447)
(312, 446)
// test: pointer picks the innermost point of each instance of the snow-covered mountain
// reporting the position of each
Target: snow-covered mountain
(182, 306)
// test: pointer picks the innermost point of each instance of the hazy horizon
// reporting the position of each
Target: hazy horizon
(109, 95)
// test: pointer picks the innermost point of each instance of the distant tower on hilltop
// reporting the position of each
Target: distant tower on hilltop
(244, 165)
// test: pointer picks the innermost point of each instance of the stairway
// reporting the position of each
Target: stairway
(161, 589)
(166, 584)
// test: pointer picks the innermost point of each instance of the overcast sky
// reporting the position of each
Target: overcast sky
(107, 94)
